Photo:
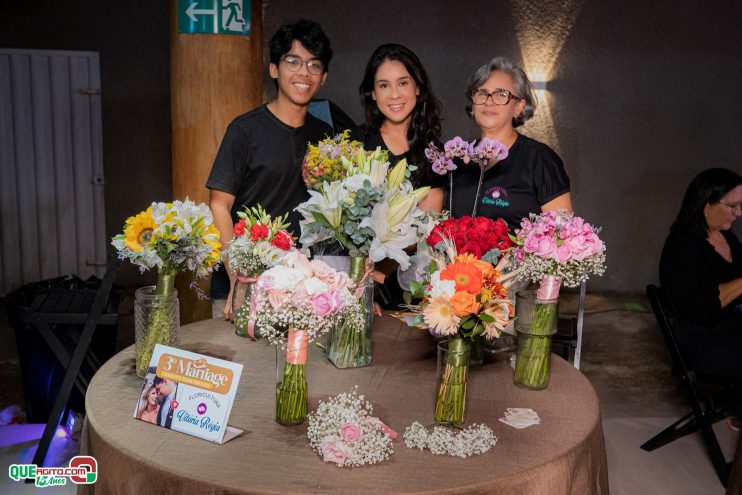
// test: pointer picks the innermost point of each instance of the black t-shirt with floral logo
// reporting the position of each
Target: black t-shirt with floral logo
(531, 176)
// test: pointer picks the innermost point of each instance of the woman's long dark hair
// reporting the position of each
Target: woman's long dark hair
(708, 187)
(425, 125)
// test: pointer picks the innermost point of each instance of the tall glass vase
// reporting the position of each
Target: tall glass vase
(291, 379)
(156, 319)
(349, 346)
(536, 323)
(244, 306)
(452, 374)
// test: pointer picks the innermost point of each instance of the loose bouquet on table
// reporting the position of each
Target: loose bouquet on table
(297, 301)
(171, 237)
(552, 248)
(259, 242)
(370, 208)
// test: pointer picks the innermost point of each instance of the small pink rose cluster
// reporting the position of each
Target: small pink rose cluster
(297, 281)
(343, 431)
(559, 236)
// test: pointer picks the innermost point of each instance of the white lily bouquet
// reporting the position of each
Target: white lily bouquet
(371, 209)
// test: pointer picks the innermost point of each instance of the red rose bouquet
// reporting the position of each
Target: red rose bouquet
(484, 238)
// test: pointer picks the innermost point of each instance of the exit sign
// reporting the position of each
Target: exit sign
(214, 17)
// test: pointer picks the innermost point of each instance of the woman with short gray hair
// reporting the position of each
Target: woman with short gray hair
(532, 179)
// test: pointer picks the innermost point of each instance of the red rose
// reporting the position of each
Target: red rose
(283, 240)
(239, 228)
(258, 231)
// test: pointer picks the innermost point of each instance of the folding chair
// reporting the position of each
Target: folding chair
(704, 412)
(94, 314)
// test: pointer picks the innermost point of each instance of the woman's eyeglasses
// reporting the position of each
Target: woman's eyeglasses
(295, 63)
(735, 207)
(499, 97)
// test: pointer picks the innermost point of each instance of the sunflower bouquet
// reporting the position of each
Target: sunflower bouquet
(463, 298)
(171, 237)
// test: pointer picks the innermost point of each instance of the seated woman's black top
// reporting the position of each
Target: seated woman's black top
(691, 271)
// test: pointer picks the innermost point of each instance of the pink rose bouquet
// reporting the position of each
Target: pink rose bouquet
(344, 432)
(297, 301)
(558, 244)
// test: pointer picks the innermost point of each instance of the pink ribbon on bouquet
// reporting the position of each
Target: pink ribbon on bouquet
(549, 288)
(361, 287)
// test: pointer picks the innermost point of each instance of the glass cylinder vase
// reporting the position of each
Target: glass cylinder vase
(536, 323)
(156, 321)
(476, 354)
(244, 307)
(452, 373)
(349, 346)
(291, 379)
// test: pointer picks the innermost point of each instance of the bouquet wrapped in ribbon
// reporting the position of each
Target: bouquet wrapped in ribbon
(485, 154)
(464, 297)
(259, 243)
(297, 301)
(171, 237)
(344, 431)
(552, 248)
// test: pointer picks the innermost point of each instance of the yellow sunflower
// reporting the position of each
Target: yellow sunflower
(138, 230)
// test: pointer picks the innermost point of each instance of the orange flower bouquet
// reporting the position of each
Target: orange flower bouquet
(464, 298)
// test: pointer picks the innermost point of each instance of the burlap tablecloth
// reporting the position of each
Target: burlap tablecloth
(563, 455)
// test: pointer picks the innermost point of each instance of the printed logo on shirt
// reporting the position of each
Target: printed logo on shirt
(496, 196)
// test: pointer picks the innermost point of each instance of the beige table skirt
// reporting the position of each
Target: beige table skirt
(563, 455)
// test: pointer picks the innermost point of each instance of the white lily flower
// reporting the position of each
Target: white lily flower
(390, 239)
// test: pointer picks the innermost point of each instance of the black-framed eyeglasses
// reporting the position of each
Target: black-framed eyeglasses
(499, 97)
(295, 63)
(735, 207)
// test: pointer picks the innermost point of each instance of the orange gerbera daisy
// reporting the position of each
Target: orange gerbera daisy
(487, 269)
(466, 276)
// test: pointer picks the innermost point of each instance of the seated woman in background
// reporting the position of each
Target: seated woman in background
(701, 269)
(532, 178)
(403, 117)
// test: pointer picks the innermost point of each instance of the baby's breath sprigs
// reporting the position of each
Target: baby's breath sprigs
(476, 439)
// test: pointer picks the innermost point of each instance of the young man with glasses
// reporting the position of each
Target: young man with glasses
(259, 161)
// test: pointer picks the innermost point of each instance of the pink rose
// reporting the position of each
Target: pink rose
(322, 304)
(351, 432)
(563, 253)
(334, 450)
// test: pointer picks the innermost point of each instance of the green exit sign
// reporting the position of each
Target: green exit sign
(214, 17)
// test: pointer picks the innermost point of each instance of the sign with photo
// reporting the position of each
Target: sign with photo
(190, 393)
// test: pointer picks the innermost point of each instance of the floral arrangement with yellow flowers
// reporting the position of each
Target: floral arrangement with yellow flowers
(323, 161)
(172, 237)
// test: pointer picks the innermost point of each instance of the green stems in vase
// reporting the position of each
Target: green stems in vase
(349, 346)
(291, 379)
(536, 323)
(157, 319)
(453, 370)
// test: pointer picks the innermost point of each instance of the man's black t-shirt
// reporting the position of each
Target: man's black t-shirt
(259, 162)
(531, 176)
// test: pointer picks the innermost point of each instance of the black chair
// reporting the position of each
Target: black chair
(705, 410)
(92, 315)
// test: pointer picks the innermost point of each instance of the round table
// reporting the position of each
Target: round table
(564, 454)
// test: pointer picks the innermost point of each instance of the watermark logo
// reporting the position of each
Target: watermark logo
(82, 470)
